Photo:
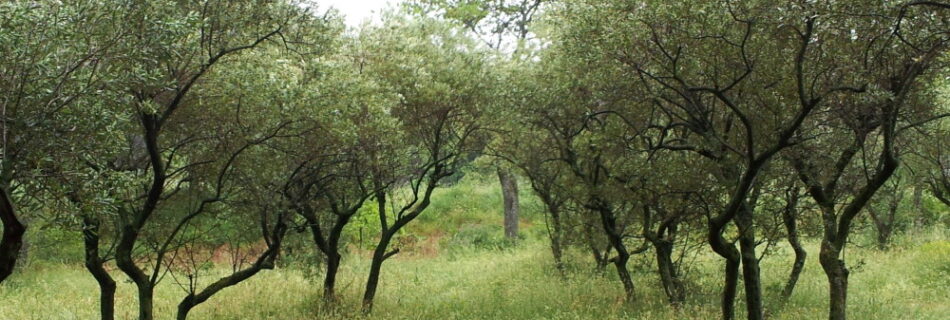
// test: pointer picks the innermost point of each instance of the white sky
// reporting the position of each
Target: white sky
(356, 10)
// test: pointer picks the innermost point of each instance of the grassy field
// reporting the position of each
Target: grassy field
(455, 272)
(516, 283)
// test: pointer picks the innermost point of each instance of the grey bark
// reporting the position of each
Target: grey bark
(509, 192)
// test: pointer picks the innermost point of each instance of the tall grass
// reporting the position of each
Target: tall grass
(472, 272)
(514, 283)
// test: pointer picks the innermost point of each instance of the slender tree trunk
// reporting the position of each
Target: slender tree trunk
(329, 281)
(727, 251)
(672, 285)
(555, 233)
(615, 238)
(94, 264)
(922, 212)
(125, 263)
(13, 231)
(509, 192)
(789, 219)
(730, 287)
(750, 264)
(620, 262)
(379, 256)
(884, 224)
(600, 259)
(557, 252)
(264, 262)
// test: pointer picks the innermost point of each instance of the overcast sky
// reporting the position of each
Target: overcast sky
(355, 10)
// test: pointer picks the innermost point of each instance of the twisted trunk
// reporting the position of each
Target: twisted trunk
(264, 262)
(672, 284)
(615, 238)
(789, 219)
(95, 265)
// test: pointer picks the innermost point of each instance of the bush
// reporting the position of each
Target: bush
(478, 237)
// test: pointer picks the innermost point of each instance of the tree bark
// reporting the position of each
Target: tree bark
(922, 212)
(146, 295)
(13, 231)
(94, 264)
(837, 274)
(884, 224)
(329, 280)
(556, 236)
(264, 262)
(730, 286)
(509, 192)
(620, 261)
(372, 282)
(750, 264)
(615, 238)
(789, 219)
(672, 284)
(730, 253)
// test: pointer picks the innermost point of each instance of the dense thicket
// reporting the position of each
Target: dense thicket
(164, 130)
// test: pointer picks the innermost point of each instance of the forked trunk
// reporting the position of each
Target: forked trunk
(379, 256)
(672, 284)
(94, 264)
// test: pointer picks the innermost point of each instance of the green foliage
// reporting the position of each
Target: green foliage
(477, 237)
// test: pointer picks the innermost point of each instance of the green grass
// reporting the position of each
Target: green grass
(514, 283)
(462, 268)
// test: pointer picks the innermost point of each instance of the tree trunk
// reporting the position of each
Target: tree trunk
(264, 261)
(557, 252)
(600, 258)
(615, 238)
(789, 218)
(922, 212)
(94, 264)
(13, 231)
(146, 301)
(126, 263)
(727, 251)
(884, 225)
(379, 256)
(750, 264)
(672, 285)
(730, 287)
(620, 261)
(329, 281)
(837, 274)
(555, 232)
(509, 192)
